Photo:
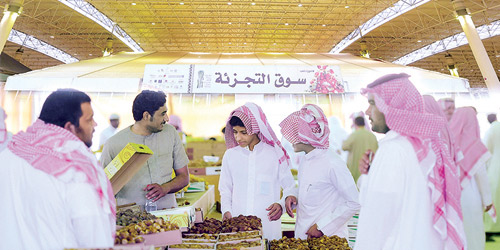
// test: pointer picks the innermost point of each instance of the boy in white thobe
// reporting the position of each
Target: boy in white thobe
(254, 169)
(327, 194)
(410, 198)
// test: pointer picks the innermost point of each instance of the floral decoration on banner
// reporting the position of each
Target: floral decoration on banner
(325, 81)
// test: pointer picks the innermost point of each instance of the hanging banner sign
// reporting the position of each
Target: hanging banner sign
(168, 78)
(205, 79)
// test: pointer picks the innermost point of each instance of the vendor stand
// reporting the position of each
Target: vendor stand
(205, 87)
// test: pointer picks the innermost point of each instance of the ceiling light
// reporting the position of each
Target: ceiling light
(229, 23)
(253, 3)
(300, 5)
(51, 36)
(324, 25)
(199, 43)
(274, 43)
(229, 43)
(419, 41)
(153, 23)
(133, 3)
(181, 3)
(192, 23)
(90, 54)
(286, 23)
(244, 43)
(248, 23)
(304, 44)
(229, 3)
(347, 6)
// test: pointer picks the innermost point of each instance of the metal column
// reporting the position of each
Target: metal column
(12, 10)
(477, 47)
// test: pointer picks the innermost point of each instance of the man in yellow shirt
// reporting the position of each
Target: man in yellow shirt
(357, 144)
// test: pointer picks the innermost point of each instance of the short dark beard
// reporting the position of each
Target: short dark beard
(88, 144)
(153, 129)
(383, 130)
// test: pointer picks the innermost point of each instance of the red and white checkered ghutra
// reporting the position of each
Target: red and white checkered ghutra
(308, 125)
(255, 122)
(403, 107)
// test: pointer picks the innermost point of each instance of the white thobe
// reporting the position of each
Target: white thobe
(106, 134)
(492, 141)
(327, 194)
(475, 197)
(251, 181)
(396, 207)
(39, 211)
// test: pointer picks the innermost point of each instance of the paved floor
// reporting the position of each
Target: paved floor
(493, 245)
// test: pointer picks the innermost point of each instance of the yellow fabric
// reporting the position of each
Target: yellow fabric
(357, 144)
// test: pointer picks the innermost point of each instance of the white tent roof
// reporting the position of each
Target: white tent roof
(124, 71)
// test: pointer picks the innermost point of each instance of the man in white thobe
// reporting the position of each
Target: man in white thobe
(114, 122)
(254, 171)
(492, 141)
(4, 134)
(53, 192)
(327, 195)
(410, 199)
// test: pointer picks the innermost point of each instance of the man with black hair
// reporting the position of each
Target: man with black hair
(492, 141)
(357, 144)
(154, 180)
(54, 193)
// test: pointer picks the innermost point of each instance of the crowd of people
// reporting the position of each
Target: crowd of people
(425, 185)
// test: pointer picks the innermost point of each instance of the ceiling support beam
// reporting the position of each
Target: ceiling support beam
(384, 16)
(448, 43)
(89, 11)
(33, 43)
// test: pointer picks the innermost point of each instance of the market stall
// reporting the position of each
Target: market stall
(203, 88)
(199, 94)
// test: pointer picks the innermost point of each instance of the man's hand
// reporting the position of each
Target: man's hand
(365, 161)
(313, 232)
(227, 216)
(275, 211)
(289, 202)
(155, 191)
(488, 208)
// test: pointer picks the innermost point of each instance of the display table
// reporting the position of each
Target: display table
(184, 215)
(204, 200)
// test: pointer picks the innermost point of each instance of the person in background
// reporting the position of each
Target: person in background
(337, 135)
(410, 198)
(357, 144)
(254, 169)
(476, 195)
(154, 180)
(54, 193)
(448, 106)
(114, 122)
(176, 121)
(5, 136)
(492, 141)
(327, 196)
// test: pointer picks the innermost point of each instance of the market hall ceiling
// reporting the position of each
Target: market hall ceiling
(317, 26)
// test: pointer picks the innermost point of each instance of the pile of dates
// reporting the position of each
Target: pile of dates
(130, 234)
(209, 226)
(127, 217)
(321, 243)
(241, 223)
